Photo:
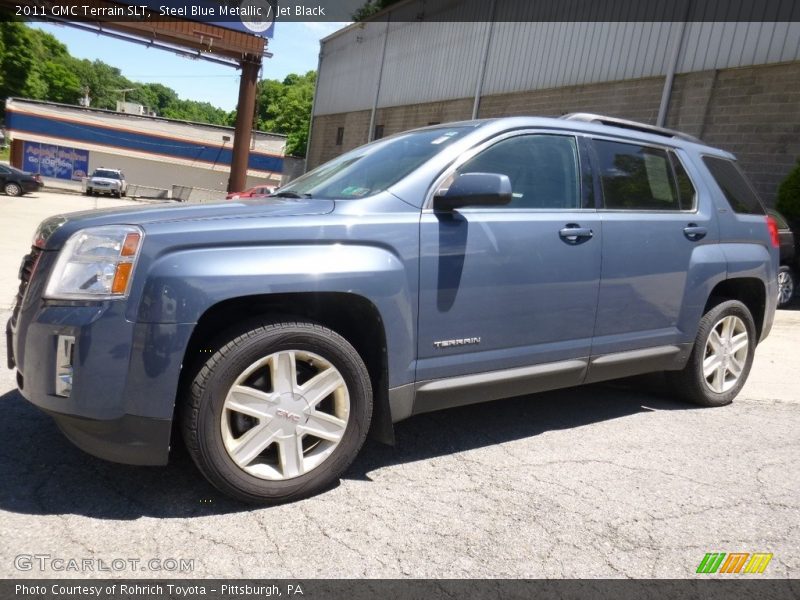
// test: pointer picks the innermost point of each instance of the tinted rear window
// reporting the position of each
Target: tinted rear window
(737, 190)
(636, 177)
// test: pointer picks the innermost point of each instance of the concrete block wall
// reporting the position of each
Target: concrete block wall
(323, 140)
(753, 112)
(635, 99)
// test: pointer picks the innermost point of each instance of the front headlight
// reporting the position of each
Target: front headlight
(96, 264)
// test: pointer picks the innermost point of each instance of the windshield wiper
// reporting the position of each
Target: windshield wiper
(289, 194)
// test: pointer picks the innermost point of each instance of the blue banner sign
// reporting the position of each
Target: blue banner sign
(256, 17)
(60, 162)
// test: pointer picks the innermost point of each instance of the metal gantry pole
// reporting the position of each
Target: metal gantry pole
(245, 110)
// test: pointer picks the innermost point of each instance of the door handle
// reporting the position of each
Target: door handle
(694, 232)
(574, 234)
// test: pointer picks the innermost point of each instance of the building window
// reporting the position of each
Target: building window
(378, 132)
(339, 136)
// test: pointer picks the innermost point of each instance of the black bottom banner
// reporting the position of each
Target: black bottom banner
(396, 589)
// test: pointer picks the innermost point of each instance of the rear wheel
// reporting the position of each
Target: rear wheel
(721, 358)
(13, 189)
(785, 286)
(278, 412)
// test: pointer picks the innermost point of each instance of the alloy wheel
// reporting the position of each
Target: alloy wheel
(785, 287)
(726, 352)
(285, 415)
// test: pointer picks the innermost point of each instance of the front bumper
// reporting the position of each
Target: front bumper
(124, 377)
(111, 190)
(129, 440)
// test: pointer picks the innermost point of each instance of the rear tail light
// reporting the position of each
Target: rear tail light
(772, 225)
(37, 178)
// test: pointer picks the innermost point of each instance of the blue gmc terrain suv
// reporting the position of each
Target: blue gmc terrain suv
(438, 267)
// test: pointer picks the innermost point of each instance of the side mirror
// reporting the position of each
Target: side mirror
(474, 189)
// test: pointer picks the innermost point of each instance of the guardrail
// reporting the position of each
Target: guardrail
(184, 193)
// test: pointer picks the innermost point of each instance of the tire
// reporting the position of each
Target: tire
(242, 441)
(13, 189)
(786, 286)
(734, 354)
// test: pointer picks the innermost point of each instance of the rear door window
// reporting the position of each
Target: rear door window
(636, 177)
(734, 186)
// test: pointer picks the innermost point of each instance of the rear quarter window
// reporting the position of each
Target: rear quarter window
(735, 187)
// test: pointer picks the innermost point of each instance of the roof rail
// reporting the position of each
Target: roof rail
(626, 124)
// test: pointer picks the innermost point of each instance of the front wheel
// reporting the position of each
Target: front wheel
(721, 358)
(785, 286)
(277, 412)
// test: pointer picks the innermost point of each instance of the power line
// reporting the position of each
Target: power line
(181, 76)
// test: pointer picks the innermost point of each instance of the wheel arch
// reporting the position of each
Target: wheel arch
(750, 291)
(352, 316)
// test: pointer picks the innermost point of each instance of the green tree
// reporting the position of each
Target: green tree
(285, 107)
(17, 60)
(156, 96)
(788, 202)
(370, 7)
(62, 84)
(34, 64)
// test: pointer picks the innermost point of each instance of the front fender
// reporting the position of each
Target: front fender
(182, 285)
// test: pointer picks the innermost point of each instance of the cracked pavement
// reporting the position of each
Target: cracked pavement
(616, 480)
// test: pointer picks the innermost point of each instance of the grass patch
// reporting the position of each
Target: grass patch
(5, 153)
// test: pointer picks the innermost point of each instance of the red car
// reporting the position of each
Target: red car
(255, 192)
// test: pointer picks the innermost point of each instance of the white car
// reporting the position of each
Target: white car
(107, 181)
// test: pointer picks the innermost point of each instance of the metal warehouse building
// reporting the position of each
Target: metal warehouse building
(735, 85)
(68, 142)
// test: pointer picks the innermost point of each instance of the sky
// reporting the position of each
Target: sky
(295, 48)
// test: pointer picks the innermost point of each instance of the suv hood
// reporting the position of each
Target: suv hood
(54, 231)
(104, 180)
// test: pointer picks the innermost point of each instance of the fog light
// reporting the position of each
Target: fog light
(64, 352)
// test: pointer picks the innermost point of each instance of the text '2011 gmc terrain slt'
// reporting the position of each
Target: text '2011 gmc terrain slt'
(438, 267)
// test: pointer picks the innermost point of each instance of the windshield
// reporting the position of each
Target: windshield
(373, 168)
(106, 174)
